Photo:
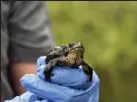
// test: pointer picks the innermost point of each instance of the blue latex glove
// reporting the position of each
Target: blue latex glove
(74, 78)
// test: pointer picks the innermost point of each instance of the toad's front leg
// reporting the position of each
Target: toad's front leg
(51, 65)
(49, 68)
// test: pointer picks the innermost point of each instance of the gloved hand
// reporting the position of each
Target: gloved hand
(80, 91)
(57, 91)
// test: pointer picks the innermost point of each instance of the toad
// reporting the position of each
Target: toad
(71, 55)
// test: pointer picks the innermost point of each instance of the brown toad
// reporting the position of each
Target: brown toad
(67, 55)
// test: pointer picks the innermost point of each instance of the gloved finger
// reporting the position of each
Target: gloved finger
(40, 71)
(28, 97)
(41, 65)
(25, 97)
(47, 90)
(41, 61)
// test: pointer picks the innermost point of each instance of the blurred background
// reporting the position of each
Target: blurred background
(108, 31)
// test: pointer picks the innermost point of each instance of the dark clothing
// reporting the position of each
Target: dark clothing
(25, 35)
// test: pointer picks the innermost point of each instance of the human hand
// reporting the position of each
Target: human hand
(88, 92)
(57, 90)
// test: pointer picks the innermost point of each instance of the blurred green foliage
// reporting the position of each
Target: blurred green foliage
(108, 31)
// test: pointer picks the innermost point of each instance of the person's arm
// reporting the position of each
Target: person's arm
(30, 37)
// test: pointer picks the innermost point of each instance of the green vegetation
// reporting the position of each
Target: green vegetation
(108, 31)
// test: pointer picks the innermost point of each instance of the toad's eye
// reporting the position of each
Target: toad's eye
(73, 61)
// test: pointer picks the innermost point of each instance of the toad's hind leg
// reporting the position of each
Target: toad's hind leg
(88, 70)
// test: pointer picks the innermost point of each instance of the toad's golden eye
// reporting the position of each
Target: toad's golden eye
(73, 61)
